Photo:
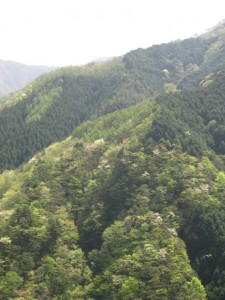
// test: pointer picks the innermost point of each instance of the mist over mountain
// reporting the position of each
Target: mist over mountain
(113, 178)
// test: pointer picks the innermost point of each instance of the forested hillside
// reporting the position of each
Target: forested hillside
(194, 119)
(130, 206)
(14, 76)
(101, 216)
(51, 107)
(97, 216)
(47, 110)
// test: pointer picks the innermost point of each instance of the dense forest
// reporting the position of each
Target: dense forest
(93, 218)
(128, 200)
(48, 109)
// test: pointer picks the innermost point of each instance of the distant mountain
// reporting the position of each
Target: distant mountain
(14, 76)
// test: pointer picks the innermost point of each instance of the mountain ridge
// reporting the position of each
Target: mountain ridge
(68, 96)
(131, 204)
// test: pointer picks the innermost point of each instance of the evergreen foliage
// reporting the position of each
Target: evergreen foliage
(131, 204)
(102, 195)
(48, 110)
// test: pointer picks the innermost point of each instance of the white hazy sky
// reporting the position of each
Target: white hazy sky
(73, 32)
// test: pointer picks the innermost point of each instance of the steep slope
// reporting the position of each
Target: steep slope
(49, 109)
(102, 192)
(130, 173)
(213, 58)
(194, 119)
(52, 106)
(14, 76)
(131, 204)
(180, 64)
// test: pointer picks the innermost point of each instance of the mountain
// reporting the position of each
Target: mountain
(131, 204)
(109, 214)
(14, 76)
(97, 216)
(48, 109)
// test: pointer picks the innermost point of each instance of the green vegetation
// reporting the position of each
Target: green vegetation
(131, 204)
(48, 110)
(104, 195)
(74, 202)
(56, 103)
(194, 119)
